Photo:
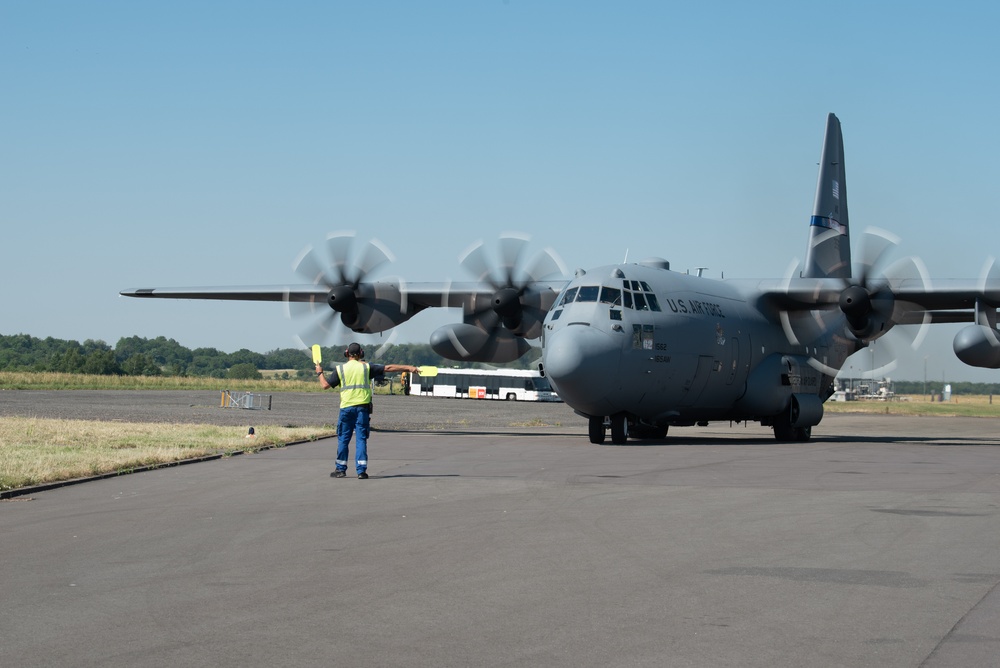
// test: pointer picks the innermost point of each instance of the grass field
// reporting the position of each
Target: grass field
(965, 406)
(25, 380)
(35, 451)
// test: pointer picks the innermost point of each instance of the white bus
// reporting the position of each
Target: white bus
(507, 384)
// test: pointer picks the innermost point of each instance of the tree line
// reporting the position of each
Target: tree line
(138, 356)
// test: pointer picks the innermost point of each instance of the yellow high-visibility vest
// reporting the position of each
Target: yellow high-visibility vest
(355, 383)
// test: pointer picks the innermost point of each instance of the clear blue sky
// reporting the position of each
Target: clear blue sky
(179, 143)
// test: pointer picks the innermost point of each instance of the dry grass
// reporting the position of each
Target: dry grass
(964, 406)
(34, 451)
(30, 380)
(26, 380)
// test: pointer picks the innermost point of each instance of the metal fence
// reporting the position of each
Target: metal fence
(248, 400)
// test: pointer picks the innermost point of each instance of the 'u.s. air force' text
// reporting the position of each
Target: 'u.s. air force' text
(695, 306)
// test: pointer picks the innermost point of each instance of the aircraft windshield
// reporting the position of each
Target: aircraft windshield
(568, 297)
(633, 295)
(611, 296)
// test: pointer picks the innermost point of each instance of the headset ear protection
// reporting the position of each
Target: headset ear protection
(361, 352)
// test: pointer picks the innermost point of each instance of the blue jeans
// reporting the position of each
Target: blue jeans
(353, 419)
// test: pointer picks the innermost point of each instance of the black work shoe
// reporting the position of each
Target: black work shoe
(339, 474)
(362, 476)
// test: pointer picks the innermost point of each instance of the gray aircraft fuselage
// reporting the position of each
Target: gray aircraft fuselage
(699, 350)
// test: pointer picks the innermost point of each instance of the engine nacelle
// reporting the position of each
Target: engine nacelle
(467, 343)
(978, 345)
(375, 307)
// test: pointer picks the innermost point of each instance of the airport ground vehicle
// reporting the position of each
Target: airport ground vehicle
(506, 384)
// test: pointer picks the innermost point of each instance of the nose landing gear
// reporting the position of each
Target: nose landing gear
(619, 429)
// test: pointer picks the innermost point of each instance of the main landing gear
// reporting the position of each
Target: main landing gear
(785, 432)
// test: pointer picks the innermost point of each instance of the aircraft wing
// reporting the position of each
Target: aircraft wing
(416, 296)
(871, 309)
(947, 300)
(496, 319)
(263, 293)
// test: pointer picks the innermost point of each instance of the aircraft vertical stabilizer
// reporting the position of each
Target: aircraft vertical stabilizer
(829, 253)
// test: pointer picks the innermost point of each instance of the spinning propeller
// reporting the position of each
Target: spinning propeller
(350, 298)
(497, 323)
(862, 307)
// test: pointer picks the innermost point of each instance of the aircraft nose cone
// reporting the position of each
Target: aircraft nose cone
(581, 363)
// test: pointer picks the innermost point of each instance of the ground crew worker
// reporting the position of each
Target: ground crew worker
(354, 378)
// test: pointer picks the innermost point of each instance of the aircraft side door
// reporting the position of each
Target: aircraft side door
(737, 360)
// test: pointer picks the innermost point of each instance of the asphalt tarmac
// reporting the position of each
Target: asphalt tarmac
(524, 545)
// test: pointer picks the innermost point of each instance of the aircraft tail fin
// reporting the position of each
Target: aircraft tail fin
(829, 253)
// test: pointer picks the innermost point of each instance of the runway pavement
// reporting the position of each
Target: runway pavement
(877, 544)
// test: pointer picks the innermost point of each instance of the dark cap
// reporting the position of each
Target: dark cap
(354, 350)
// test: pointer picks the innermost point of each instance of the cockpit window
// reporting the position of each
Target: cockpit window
(638, 295)
(588, 293)
(568, 297)
(611, 296)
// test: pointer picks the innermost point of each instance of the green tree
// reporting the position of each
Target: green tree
(244, 371)
(101, 363)
(69, 360)
(141, 365)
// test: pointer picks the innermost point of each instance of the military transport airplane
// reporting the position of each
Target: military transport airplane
(640, 348)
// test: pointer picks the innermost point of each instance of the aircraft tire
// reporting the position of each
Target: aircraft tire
(619, 428)
(596, 428)
(803, 434)
(783, 429)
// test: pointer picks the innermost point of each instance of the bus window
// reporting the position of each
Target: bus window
(541, 384)
(503, 385)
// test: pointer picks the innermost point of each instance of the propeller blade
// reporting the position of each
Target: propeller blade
(511, 251)
(375, 255)
(341, 271)
(310, 267)
(865, 304)
(338, 245)
(547, 263)
(874, 245)
(473, 260)
(389, 342)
